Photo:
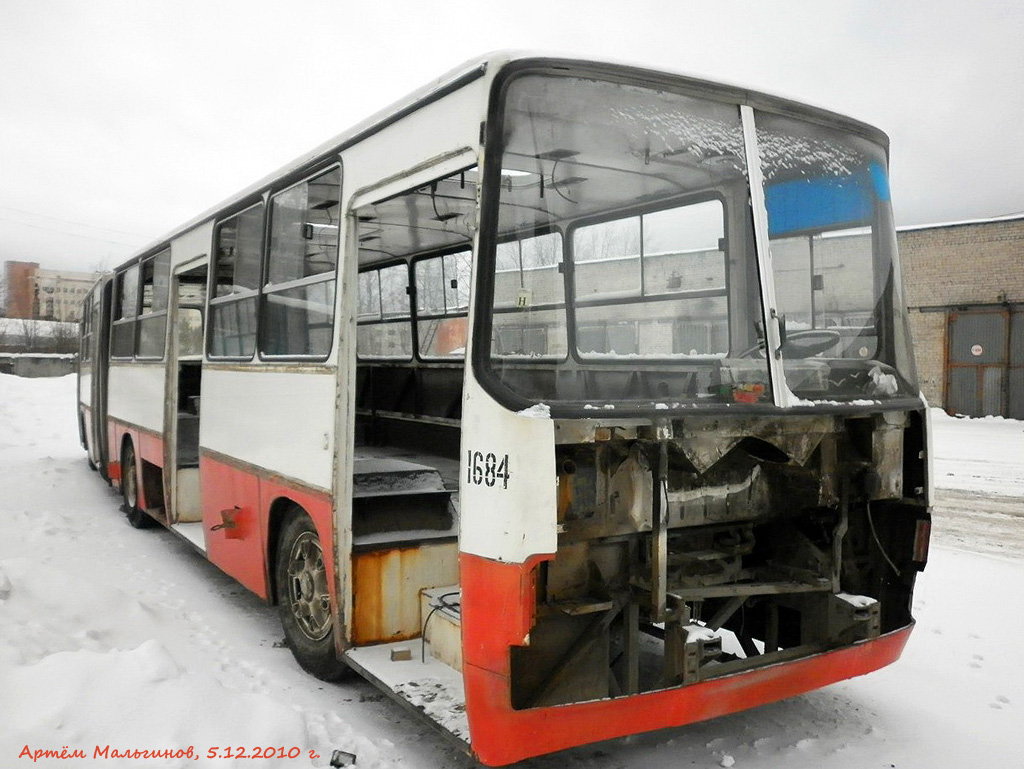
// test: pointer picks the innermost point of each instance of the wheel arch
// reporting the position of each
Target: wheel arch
(126, 443)
(320, 656)
(280, 509)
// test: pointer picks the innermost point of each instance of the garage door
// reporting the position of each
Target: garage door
(985, 363)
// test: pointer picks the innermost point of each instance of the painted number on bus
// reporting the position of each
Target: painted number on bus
(486, 469)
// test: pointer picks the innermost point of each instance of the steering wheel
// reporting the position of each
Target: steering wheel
(800, 344)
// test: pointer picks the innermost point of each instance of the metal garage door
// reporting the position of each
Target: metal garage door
(985, 364)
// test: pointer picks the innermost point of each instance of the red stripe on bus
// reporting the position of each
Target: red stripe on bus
(494, 597)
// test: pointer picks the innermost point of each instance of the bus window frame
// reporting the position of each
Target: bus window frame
(117, 319)
(536, 232)
(382, 320)
(143, 315)
(265, 288)
(642, 298)
(414, 296)
(213, 301)
(85, 342)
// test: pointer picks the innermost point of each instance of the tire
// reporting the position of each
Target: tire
(303, 600)
(136, 516)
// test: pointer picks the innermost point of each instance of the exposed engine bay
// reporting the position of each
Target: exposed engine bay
(695, 548)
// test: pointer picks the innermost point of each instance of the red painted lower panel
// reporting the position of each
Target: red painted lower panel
(114, 435)
(230, 502)
(151, 448)
(242, 500)
(492, 620)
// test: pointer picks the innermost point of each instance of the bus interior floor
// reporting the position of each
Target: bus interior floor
(416, 679)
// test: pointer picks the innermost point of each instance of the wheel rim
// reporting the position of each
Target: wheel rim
(131, 489)
(307, 587)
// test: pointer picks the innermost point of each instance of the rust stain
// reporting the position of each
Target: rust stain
(372, 621)
(386, 588)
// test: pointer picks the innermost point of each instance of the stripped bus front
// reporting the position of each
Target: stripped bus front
(594, 381)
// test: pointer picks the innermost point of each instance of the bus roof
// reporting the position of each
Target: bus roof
(472, 70)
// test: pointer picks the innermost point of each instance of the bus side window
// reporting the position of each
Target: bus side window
(442, 301)
(385, 329)
(529, 298)
(238, 246)
(298, 309)
(156, 272)
(85, 354)
(126, 307)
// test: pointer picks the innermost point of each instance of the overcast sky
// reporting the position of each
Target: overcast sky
(120, 120)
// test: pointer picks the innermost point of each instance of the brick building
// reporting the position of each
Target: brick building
(36, 293)
(19, 282)
(965, 289)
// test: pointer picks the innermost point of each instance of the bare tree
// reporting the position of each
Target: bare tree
(65, 337)
(29, 333)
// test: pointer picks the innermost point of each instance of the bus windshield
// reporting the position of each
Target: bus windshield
(624, 269)
(833, 248)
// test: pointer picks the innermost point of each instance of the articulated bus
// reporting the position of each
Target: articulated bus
(563, 400)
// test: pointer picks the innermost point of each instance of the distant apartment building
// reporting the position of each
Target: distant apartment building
(37, 293)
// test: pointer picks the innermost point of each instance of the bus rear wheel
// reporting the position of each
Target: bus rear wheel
(137, 517)
(303, 599)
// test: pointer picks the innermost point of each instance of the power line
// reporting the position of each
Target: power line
(68, 221)
(71, 234)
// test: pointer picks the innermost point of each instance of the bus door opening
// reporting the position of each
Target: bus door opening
(187, 344)
(413, 300)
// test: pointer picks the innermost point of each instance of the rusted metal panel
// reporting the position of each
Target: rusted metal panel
(386, 589)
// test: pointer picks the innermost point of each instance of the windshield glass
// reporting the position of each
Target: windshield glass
(624, 272)
(833, 250)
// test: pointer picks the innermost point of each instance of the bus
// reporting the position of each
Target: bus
(563, 400)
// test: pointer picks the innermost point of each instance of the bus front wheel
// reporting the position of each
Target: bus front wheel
(303, 599)
(137, 517)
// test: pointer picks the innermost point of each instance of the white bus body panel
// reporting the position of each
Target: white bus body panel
(85, 385)
(513, 520)
(85, 400)
(448, 125)
(136, 395)
(279, 421)
(191, 245)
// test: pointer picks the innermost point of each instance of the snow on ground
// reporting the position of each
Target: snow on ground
(982, 456)
(114, 636)
(979, 478)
